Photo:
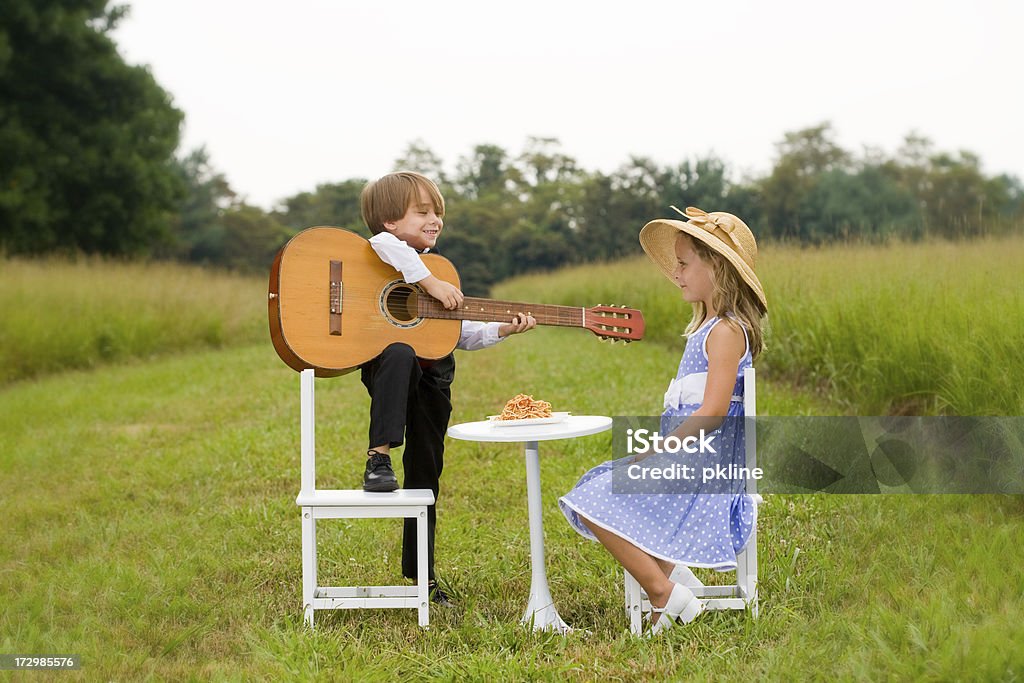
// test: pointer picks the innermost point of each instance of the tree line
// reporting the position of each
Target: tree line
(89, 162)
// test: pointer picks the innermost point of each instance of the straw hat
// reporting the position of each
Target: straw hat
(723, 232)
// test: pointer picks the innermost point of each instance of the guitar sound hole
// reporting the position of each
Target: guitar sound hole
(400, 303)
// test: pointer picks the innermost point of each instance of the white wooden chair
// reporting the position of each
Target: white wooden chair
(743, 593)
(333, 504)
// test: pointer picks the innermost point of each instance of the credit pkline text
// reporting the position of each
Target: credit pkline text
(687, 473)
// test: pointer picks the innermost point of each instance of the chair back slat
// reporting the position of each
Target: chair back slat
(750, 424)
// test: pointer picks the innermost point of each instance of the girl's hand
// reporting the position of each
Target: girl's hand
(520, 323)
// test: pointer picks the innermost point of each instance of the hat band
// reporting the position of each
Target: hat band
(702, 219)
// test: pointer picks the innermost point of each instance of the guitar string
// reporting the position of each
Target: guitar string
(560, 314)
(568, 314)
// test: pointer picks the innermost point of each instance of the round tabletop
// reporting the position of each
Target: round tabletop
(574, 425)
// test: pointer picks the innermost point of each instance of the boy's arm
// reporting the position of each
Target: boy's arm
(476, 335)
(405, 259)
(399, 256)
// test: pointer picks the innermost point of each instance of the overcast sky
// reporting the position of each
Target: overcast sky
(286, 95)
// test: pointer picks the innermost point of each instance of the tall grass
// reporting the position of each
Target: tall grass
(905, 329)
(57, 315)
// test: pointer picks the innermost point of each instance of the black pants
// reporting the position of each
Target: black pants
(412, 403)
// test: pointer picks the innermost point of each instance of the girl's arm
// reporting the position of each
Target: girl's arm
(726, 346)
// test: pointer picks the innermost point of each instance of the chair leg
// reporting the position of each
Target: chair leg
(421, 568)
(752, 573)
(633, 600)
(308, 564)
(746, 573)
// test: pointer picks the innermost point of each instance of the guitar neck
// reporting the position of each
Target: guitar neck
(492, 310)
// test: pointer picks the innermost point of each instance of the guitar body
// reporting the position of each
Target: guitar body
(334, 305)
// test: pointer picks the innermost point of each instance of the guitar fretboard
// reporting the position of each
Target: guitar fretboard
(492, 310)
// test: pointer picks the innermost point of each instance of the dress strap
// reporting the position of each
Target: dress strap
(717, 319)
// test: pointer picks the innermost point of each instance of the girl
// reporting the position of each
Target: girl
(711, 259)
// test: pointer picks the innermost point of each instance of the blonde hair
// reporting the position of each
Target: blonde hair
(730, 295)
(388, 198)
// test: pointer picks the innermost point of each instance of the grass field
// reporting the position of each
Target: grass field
(151, 525)
(152, 529)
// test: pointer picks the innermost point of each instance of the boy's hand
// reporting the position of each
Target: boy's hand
(520, 323)
(448, 294)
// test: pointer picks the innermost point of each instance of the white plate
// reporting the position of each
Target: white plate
(554, 419)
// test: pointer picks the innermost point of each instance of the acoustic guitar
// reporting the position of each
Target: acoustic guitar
(335, 305)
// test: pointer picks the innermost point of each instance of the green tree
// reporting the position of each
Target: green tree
(251, 239)
(615, 207)
(953, 195)
(701, 182)
(1011, 207)
(550, 190)
(527, 248)
(330, 204)
(486, 171)
(419, 158)
(87, 141)
(198, 228)
(867, 204)
(471, 256)
(958, 190)
(803, 157)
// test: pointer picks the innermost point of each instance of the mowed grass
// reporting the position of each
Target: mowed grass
(151, 528)
(914, 329)
(57, 314)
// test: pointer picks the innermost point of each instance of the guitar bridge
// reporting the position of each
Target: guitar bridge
(336, 298)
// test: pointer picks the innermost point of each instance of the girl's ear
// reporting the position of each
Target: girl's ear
(390, 227)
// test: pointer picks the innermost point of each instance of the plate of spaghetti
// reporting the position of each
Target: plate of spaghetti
(522, 409)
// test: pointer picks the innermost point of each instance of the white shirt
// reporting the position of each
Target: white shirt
(403, 258)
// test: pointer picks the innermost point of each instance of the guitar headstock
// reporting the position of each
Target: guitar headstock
(615, 322)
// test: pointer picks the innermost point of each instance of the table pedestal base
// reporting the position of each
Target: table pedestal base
(541, 613)
(540, 610)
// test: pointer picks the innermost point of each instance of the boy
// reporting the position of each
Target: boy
(411, 398)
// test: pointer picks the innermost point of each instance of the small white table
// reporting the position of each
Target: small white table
(540, 609)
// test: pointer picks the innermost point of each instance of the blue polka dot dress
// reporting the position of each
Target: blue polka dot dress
(701, 525)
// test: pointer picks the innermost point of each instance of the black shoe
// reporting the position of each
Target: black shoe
(379, 477)
(438, 596)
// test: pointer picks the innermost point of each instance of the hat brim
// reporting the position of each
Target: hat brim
(658, 239)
